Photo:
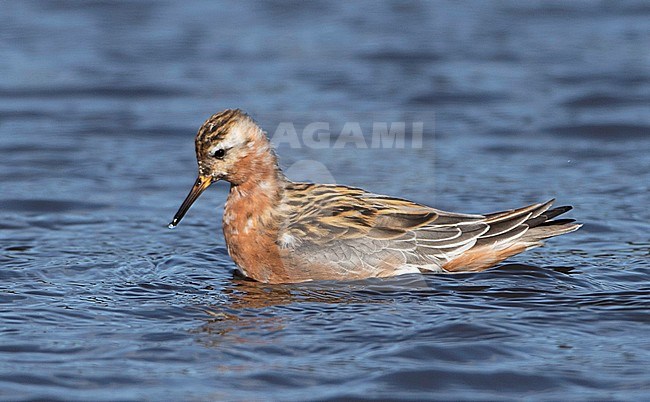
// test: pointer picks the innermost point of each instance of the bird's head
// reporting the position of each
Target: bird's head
(229, 146)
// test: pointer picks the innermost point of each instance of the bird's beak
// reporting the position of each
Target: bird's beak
(202, 182)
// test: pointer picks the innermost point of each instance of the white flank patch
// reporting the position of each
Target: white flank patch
(287, 241)
(406, 269)
(431, 268)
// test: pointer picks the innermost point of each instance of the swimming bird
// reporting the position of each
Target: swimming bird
(279, 231)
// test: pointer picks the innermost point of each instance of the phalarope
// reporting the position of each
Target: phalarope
(279, 231)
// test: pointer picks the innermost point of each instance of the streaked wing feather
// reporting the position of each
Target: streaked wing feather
(506, 225)
(505, 238)
(350, 230)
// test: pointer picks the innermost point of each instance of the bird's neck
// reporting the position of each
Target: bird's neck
(257, 195)
(255, 200)
(252, 218)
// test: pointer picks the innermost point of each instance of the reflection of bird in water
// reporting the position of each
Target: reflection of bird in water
(231, 318)
(279, 231)
(253, 312)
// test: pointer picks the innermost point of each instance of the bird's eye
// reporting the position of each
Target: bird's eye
(219, 153)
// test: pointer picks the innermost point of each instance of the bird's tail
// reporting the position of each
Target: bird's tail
(545, 226)
(512, 232)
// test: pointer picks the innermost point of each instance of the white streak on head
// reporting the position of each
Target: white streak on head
(243, 136)
(235, 138)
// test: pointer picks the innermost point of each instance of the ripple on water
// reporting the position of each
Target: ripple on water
(99, 301)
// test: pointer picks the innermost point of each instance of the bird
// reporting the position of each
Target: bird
(279, 231)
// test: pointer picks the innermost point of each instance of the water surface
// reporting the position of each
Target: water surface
(99, 103)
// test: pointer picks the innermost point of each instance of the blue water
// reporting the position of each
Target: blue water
(520, 102)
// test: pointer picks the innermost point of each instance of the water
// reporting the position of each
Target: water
(99, 103)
